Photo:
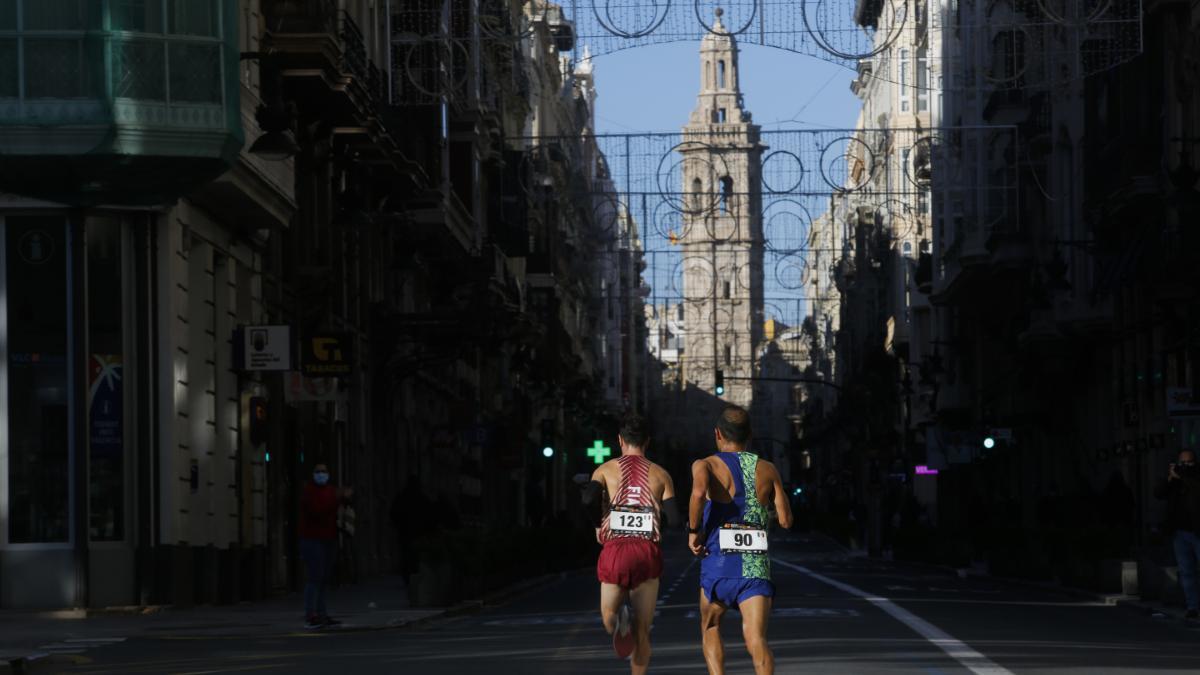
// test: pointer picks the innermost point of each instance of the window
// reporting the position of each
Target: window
(141, 16)
(48, 37)
(721, 115)
(106, 425)
(727, 290)
(721, 74)
(728, 355)
(36, 276)
(726, 193)
(9, 82)
(923, 79)
(697, 191)
(904, 82)
(8, 14)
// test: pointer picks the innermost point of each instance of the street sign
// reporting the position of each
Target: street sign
(267, 347)
(326, 354)
(599, 452)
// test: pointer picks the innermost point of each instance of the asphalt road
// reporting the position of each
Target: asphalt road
(834, 614)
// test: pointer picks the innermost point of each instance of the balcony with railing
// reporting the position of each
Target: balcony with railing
(321, 53)
(151, 88)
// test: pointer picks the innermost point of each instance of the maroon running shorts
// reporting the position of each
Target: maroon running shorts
(627, 562)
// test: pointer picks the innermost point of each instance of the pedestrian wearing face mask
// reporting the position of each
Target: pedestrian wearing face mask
(1181, 489)
(318, 542)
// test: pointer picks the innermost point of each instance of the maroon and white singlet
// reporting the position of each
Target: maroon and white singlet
(632, 555)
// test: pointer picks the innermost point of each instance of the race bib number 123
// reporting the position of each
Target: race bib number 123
(631, 522)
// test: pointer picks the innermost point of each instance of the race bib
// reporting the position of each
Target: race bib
(744, 539)
(630, 520)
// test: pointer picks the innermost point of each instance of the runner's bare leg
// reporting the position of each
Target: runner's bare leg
(710, 634)
(755, 611)
(612, 597)
(644, 599)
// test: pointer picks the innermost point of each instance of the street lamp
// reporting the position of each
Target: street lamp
(274, 115)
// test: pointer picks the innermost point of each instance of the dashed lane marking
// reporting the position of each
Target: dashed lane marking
(958, 650)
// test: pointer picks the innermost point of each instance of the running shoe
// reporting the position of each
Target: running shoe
(623, 639)
(313, 623)
(329, 621)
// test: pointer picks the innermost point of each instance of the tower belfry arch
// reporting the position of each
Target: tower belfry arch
(722, 243)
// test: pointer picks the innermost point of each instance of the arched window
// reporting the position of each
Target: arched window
(697, 190)
(726, 193)
(721, 74)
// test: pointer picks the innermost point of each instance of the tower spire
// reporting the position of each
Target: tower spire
(720, 99)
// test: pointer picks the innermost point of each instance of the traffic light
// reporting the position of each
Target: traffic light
(720, 383)
(547, 438)
(258, 420)
(989, 442)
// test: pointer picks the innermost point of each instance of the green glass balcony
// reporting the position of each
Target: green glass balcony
(117, 101)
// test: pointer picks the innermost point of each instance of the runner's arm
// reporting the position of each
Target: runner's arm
(593, 494)
(670, 508)
(783, 506)
(699, 493)
(696, 505)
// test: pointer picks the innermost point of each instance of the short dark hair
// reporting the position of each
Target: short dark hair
(635, 430)
(734, 424)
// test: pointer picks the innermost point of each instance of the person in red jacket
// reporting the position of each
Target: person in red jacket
(318, 542)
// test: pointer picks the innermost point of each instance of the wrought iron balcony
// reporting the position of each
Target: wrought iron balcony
(322, 55)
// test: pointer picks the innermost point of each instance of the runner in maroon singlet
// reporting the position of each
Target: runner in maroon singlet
(628, 526)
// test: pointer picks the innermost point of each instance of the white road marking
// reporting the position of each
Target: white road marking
(958, 650)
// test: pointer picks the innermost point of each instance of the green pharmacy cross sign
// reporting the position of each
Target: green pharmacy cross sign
(599, 452)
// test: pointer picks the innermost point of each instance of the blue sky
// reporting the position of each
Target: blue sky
(653, 88)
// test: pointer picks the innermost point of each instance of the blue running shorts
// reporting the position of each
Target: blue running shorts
(731, 591)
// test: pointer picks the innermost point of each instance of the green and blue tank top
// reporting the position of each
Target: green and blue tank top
(744, 510)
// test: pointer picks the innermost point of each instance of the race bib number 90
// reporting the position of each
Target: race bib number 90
(742, 540)
(629, 521)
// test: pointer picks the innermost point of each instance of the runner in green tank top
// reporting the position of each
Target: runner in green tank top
(727, 527)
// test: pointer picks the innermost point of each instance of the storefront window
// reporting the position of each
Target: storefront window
(36, 283)
(106, 381)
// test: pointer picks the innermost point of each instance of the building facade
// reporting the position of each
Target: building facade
(1026, 313)
(190, 186)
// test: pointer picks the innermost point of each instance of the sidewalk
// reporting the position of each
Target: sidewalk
(30, 640)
